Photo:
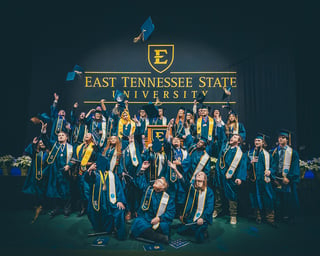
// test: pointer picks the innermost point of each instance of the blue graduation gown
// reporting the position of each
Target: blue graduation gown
(143, 221)
(194, 160)
(37, 177)
(103, 214)
(229, 186)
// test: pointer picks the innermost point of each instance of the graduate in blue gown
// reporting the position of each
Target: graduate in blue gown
(97, 125)
(198, 208)
(161, 119)
(126, 128)
(259, 174)
(107, 202)
(37, 177)
(286, 178)
(233, 126)
(59, 172)
(84, 156)
(199, 160)
(181, 159)
(231, 171)
(58, 120)
(177, 124)
(112, 118)
(130, 164)
(112, 153)
(156, 212)
(79, 126)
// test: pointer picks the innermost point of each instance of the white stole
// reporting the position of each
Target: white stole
(267, 164)
(287, 161)
(162, 208)
(112, 188)
(202, 163)
(133, 154)
(200, 206)
(104, 131)
(69, 152)
(113, 160)
(234, 164)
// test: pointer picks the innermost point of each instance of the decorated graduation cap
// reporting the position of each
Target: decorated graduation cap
(156, 145)
(146, 30)
(77, 70)
(151, 110)
(226, 92)
(43, 117)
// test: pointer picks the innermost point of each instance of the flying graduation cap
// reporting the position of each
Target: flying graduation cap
(77, 70)
(151, 110)
(226, 92)
(40, 118)
(146, 30)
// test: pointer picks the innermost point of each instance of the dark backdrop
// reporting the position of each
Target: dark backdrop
(272, 48)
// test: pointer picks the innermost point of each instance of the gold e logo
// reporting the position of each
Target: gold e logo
(160, 56)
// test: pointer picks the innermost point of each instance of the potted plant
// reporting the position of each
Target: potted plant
(5, 164)
(23, 163)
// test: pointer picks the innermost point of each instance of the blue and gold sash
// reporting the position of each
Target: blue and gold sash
(147, 199)
(210, 130)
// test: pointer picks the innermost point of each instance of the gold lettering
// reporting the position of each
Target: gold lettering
(155, 94)
(165, 94)
(233, 80)
(194, 94)
(159, 134)
(125, 80)
(140, 82)
(189, 82)
(203, 83)
(167, 81)
(160, 82)
(217, 82)
(127, 93)
(152, 82)
(133, 82)
(135, 94)
(181, 82)
(96, 82)
(174, 81)
(88, 81)
(185, 94)
(145, 94)
(175, 94)
(225, 81)
(158, 56)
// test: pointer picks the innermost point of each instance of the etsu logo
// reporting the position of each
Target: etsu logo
(160, 56)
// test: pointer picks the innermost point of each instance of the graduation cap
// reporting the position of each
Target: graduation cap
(262, 136)
(226, 92)
(205, 140)
(200, 97)
(146, 30)
(77, 70)
(183, 108)
(156, 145)
(151, 110)
(40, 118)
(287, 134)
(189, 111)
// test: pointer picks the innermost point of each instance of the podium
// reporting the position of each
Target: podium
(155, 131)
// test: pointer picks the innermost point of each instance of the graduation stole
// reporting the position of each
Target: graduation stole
(53, 153)
(86, 154)
(178, 128)
(59, 124)
(109, 127)
(77, 131)
(234, 131)
(267, 164)
(187, 207)
(162, 208)
(112, 189)
(133, 154)
(38, 156)
(157, 166)
(287, 161)
(200, 207)
(146, 124)
(147, 199)
(124, 123)
(113, 161)
(173, 175)
(210, 130)
(96, 201)
(253, 166)
(234, 164)
(103, 127)
(202, 163)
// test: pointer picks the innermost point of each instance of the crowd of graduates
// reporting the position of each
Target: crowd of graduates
(99, 164)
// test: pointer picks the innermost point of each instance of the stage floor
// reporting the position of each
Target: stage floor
(68, 236)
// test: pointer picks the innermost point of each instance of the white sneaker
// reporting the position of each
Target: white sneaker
(233, 220)
(215, 214)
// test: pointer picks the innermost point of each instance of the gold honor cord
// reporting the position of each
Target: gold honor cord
(253, 168)
(58, 129)
(187, 201)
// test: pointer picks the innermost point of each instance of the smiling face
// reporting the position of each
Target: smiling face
(142, 113)
(181, 113)
(258, 143)
(113, 140)
(176, 142)
(235, 140)
(200, 181)
(216, 113)
(283, 140)
(88, 137)
(82, 115)
(62, 113)
(232, 118)
(160, 185)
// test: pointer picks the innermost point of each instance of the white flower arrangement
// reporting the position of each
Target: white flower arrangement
(6, 161)
(22, 162)
(313, 165)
